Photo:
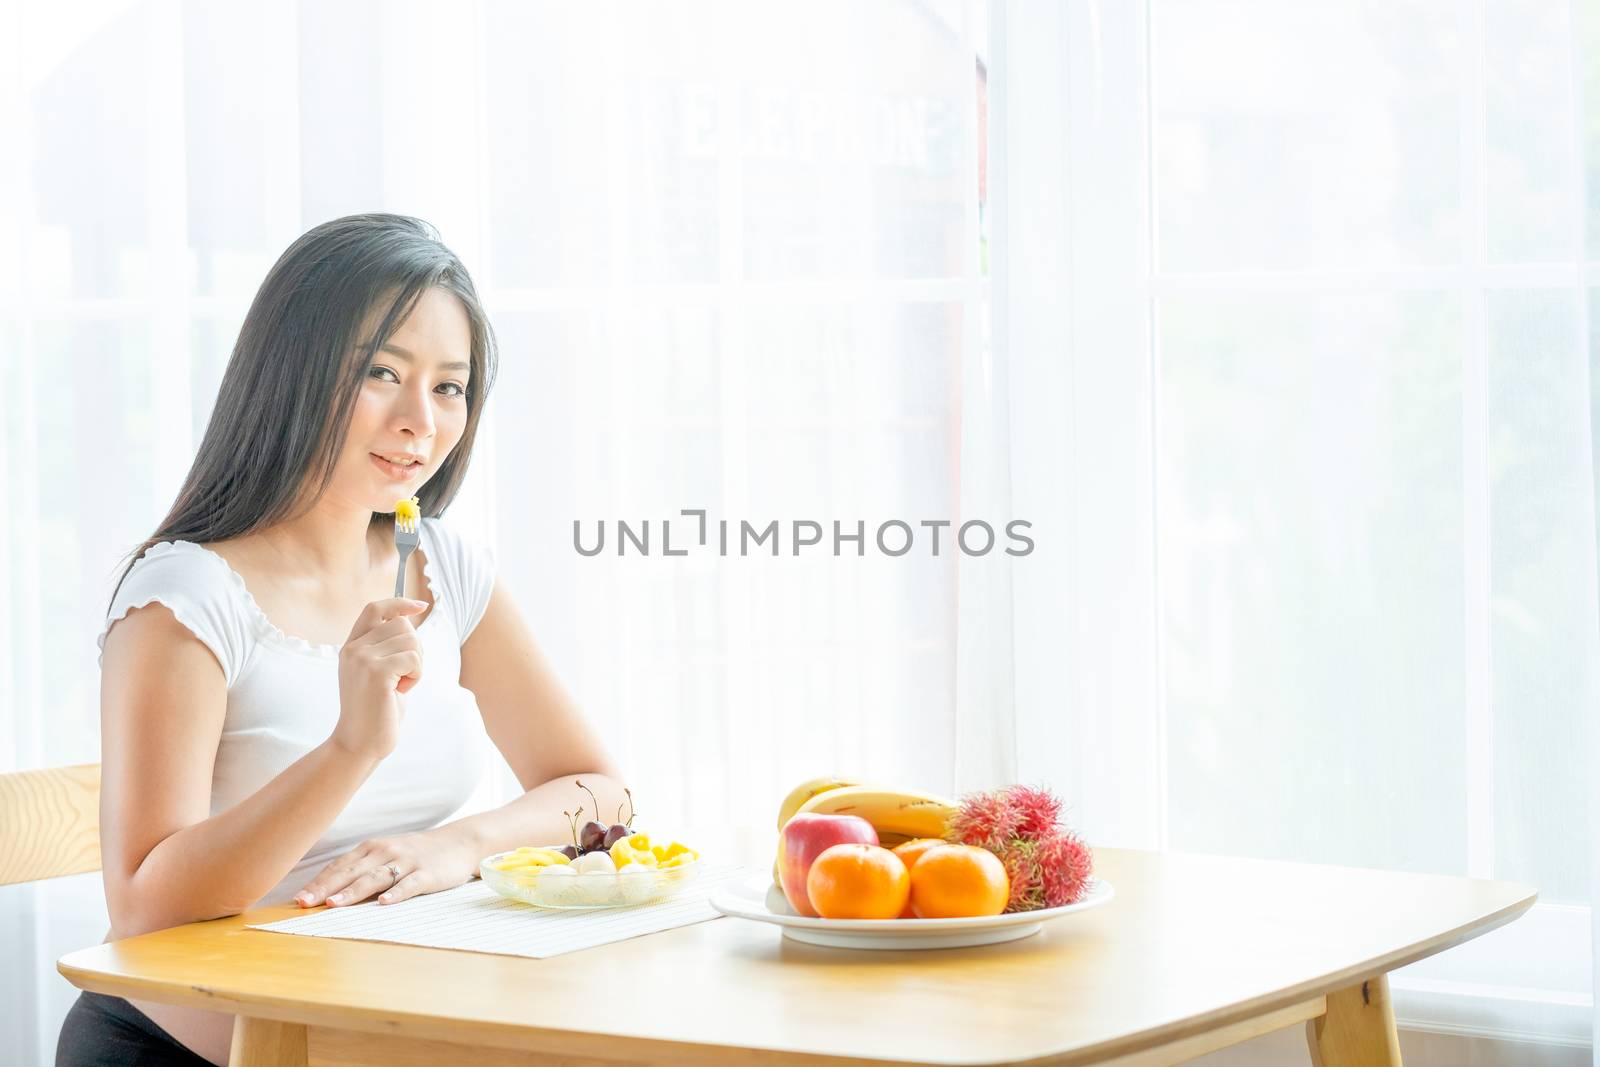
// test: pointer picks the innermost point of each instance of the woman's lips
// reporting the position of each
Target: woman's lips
(393, 471)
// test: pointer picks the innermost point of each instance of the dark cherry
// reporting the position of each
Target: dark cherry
(616, 833)
(591, 835)
(570, 851)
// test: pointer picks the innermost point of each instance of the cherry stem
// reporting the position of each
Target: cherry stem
(629, 823)
(579, 783)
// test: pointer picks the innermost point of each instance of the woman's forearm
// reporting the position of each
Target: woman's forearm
(222, 865)
(535, 818)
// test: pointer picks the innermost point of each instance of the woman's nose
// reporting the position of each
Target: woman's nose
(415, 412)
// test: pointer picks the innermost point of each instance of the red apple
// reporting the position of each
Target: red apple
(804, 838)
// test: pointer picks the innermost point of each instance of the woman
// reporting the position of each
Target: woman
(276, 725)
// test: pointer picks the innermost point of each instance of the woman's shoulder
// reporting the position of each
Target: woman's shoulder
(179, 566)
(198, 587)
(461, 568)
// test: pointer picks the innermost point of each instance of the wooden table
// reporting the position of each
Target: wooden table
(1194, 954)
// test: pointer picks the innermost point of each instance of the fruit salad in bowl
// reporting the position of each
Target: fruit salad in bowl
(604, 867)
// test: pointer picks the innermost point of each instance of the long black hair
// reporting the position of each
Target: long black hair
(286, 399)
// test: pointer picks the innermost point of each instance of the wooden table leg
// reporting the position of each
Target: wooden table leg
(267, 1043)
(1358, 1030)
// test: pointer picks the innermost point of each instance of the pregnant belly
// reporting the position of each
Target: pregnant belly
(208, 1034)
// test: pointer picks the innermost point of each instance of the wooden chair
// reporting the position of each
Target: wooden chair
(49, 823)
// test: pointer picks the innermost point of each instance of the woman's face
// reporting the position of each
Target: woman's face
(412, 408)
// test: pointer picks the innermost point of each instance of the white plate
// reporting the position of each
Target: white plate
(760, 899)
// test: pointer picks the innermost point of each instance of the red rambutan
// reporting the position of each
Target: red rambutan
(1026, 892)
(986, 819)
(1038, 811)
(1064, 864)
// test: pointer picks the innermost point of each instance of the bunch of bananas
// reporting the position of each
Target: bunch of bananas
(898, 815)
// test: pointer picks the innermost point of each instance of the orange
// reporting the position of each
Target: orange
(910, 852)
(959, 881)
(858, 881)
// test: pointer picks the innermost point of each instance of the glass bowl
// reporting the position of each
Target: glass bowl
(629, 887)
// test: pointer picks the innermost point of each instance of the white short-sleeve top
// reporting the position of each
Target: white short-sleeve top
(283, 691)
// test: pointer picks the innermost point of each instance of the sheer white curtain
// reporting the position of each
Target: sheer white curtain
(733, 255)
(1314, 284)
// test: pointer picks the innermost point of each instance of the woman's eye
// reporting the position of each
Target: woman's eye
(387, 374)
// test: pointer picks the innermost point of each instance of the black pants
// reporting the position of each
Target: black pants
(102, 1031)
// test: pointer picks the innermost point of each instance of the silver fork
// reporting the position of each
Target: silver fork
(405, 542)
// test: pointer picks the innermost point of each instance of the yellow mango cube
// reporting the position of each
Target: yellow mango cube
(528, 857)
